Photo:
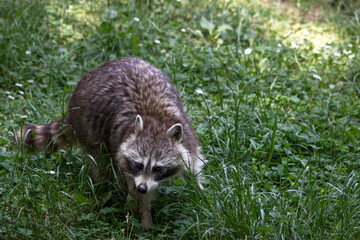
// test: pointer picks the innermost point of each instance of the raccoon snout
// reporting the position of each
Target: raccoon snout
(142, 188)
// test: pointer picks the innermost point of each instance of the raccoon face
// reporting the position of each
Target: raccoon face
(151, 157)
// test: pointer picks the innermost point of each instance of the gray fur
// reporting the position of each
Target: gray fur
(130, 107)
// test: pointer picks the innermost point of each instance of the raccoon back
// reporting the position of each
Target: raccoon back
(108, 98)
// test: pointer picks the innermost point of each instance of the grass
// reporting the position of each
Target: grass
(272, 91)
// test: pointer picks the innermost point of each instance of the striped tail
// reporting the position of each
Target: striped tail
(45, 138)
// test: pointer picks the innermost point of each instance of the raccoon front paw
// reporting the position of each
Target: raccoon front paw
(146, 219)
(199, 183)
(147, 229)
(147, 226)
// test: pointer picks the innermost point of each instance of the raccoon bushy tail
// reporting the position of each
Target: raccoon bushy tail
(46, 138)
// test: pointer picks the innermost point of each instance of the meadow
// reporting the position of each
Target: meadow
(272, 89)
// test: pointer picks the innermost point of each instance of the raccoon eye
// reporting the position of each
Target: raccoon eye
(164, 172)
(157, 169)
(136, 167)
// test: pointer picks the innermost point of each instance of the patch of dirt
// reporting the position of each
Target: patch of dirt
(315, 13)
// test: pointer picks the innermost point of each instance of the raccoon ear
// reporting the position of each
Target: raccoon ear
(138, 124)
(176, 132)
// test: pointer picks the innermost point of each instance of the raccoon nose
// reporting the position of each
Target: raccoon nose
(142, 188)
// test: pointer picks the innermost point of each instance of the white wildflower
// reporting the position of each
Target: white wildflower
(11, 97)
(156, 41)
(69, 9)
(199, 91)
(278, 50)
(18, 84)
(351, 56)
(347, 52)
(50, 172)
(28, 52)
(7, 92)
(69, 163)
(279, 45)
(23, 116)
(248, 51)
(198, 31)
(183, 30)
(350, 45)
(316, 51)
(136, 19)
(317, 76)
(337, 54)
(30, 81)
(21, 92)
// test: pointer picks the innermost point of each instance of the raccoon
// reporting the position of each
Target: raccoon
(128, 109)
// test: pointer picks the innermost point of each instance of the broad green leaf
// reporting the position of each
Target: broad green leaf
(224, 27)
(25, 231)
(207, 25)
(80, 198)
(108, 210)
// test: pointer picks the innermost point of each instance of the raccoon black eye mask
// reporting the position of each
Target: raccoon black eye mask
(159, 172)
(130, 107)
